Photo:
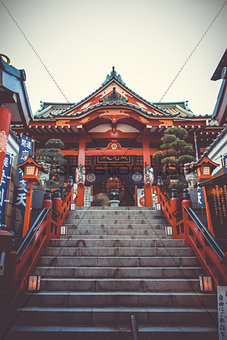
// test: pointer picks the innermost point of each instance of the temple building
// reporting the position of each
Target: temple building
(110, 137)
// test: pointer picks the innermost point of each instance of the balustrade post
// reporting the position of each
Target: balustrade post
(47, 202)
(186, 203)
(72, 189)
(158, 188)
(173, 212)
(57, 212)
(8, 258)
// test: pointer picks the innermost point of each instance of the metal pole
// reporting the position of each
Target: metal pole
(196, 147)
(134, 327)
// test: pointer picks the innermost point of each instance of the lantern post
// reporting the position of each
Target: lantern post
(31, 172)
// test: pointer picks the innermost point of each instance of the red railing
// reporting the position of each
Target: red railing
(186, 225)
(19, 264)
(172, 209)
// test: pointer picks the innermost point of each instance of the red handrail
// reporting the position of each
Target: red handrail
(18, 265)
(180, 217)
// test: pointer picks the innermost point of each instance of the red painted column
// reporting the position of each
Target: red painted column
(186, 203)
(147, 162)
(47, 202)
(27, 211)
(5, 120)
(81, 162)
(57, 213)
(209, 222)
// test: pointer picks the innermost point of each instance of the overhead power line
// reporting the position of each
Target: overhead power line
(192, 52)
(29, 43)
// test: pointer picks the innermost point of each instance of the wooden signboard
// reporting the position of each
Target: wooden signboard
(216, 194)
(114, 159)
(222, 312)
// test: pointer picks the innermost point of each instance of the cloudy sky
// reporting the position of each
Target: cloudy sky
(147, 41)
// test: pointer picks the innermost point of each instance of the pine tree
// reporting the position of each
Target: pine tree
(176, 152)
(52, 155)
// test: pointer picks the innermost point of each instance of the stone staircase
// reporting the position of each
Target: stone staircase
(115, 262)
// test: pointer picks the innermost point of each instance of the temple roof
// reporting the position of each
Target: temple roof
(210, 147)
(130, 99)
(219, 69)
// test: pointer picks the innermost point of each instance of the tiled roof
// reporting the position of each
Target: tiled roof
(50, 113)
(223, 63)
(174, 109)
(213, 144)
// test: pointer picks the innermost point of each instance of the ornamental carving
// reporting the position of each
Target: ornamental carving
(114, 98)
(80, 175)
(190, 174)
(91, 177)
(148, 175)
(113, 75)
(137, 177)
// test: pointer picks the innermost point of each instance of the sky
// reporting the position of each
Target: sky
(78, 41)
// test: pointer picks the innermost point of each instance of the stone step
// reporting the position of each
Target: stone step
(117, 215)
(116, 231)
(131, 226)
(79, 261)
(122, 332)
(119, 299)
(108, 284)
(114, 221)
(116, 272)
(117, 242)
(116, 316)
(113, 251)
(115, 209)
(118, 237)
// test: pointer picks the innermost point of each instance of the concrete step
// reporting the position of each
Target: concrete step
(119, 237)
(123, 232)
(116, 272)
(122, 332)
(130, 226)
(124, 284)
(116, 215)
(113, 251)
(117, 242)
(114, 221)
(119, 299)
(116, 209)
(157, 316)
(86, 261)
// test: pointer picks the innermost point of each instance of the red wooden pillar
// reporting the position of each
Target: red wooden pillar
(147, 162)
(27, 211)
(5, 120)
(47, 202)
(209, 222)
(81, 162)
(187, 204)
(173, 208)
(57, 212)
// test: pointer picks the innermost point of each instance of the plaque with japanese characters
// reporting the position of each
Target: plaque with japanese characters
(216, 192)
(222, 312)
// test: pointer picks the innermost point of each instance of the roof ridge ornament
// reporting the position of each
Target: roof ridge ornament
(113, 75)
(114, 98)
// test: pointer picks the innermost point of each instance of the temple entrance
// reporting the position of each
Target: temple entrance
(119, 186)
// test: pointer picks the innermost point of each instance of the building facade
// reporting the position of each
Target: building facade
(111, 136)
